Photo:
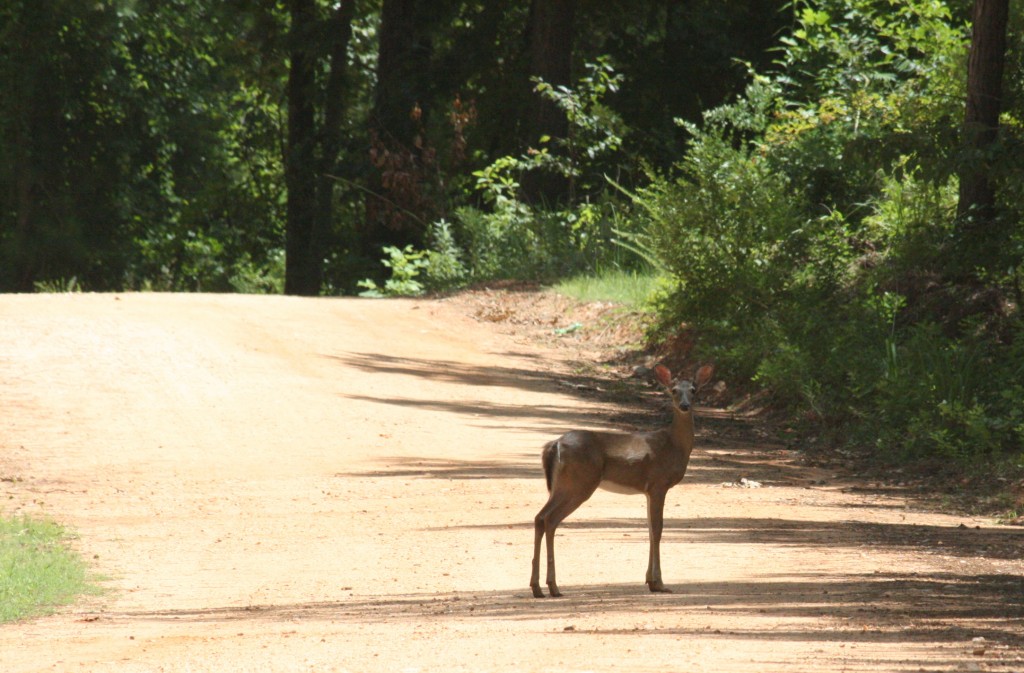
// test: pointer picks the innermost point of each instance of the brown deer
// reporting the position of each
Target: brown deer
(580, 461)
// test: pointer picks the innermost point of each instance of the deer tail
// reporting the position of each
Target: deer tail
(548, 457)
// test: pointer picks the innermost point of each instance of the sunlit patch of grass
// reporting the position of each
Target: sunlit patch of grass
(629, 288)
(38, 572)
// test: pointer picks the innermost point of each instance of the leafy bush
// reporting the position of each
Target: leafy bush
(725, 229)
(405, 265)
(501, 243)
(445, 269)
(249, 277)
(589, 151)
(502, 236)
(810, 230)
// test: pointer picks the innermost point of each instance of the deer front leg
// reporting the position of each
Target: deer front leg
(655, 524)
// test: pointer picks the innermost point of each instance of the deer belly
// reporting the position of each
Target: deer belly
(618, 488)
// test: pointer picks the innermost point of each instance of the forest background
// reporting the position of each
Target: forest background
(830, 192)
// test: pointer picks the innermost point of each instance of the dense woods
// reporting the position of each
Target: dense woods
(831, 190)
(201, 145)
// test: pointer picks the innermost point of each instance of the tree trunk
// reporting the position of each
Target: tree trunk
(976, 207)
(303, 266)
(398, 206)
(403, 60)
(980, 234)
(550, 47)
(36, 141)
(339, 34)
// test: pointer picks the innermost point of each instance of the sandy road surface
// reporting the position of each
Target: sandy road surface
(283, 484)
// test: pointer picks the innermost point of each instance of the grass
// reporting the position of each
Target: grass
(38, 572)
(628, 288)
(59, 286)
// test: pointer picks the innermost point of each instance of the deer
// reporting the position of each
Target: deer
(581, 461)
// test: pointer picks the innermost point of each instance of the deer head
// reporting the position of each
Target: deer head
(684, 391)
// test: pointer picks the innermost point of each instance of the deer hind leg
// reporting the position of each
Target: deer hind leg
(561, 504)
(539, 525)
(655, 524)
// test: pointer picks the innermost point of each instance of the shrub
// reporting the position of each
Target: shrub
(809, 231)
(405, 265)
(445, 269)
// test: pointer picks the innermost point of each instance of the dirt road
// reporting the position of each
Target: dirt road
(284, 484)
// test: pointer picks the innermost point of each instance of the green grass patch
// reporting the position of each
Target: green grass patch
(628, 288)
(38, 572)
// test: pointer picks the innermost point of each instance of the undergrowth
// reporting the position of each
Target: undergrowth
(633, 289)
(817, 252)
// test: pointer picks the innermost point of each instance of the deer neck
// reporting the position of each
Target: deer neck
(682, 430)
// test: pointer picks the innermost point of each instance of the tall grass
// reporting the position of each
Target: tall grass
(629, 288)
(38, 572)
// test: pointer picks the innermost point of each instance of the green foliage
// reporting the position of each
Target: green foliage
(633, 289)
(510, 238)
(58, 286)
(726, 222)
(841, 47)
(943, 398)
(143, 140)
(250, 278)
(809, 231)
(58, 215)
(445, 269)
(405, 265)
(501, 243)
(39, 571)
(138, 150)
(862, 85)
(595, 130)
(504, 237)
(514, 240)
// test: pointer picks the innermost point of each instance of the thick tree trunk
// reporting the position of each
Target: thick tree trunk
(303, 264)
(550, 46)
(980, 234)
(403, 60)
(398, 205)
(977, 202)
(339, 34)
(35, 145)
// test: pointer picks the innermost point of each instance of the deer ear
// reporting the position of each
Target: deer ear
(663, 375)
(704, 375)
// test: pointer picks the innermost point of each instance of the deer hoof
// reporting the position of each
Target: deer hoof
(658, 588)
(538, 592)
(555, 593)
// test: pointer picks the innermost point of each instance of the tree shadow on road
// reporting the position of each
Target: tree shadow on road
(537, 379)
(948, 541)
(559, 417)
(705, 468)
(877, 608)
(887, 606)
(439, 468)
(599, 394)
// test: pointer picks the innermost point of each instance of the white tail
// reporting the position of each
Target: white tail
(580, 461)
